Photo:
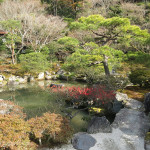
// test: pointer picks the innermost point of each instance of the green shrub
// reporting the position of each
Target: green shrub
(115, 10)
(33, 62)
(68, 43)
(50, 128)
(140, 77)
(14, 133)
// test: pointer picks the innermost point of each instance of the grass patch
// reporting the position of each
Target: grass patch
(136, 92)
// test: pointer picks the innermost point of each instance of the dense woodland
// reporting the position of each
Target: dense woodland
(107, 42)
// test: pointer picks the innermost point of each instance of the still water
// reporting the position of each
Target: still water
(36, 98)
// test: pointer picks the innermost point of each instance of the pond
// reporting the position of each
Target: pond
(36, 99)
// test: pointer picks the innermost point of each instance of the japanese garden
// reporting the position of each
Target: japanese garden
(74, 74)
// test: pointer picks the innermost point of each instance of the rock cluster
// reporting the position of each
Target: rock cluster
(127, 132)
(15, 80)
(128, 129)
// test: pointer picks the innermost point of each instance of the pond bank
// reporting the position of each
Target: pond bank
(36, 99)
(10, 79)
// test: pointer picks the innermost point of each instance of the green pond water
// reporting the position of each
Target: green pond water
(36, 98)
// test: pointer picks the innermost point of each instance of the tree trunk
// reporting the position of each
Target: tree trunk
(56, 7)
(13, 55)
(105, 63)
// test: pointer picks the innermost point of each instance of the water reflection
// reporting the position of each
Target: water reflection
(36, 99)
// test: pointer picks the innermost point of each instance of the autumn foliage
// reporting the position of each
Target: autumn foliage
(50, 127)
(18, 134)
(14, 133)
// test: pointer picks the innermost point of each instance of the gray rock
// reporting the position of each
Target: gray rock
(12, 80)
(129, 102)
(48, 77)
(15, 80)
(1, 78)
(117, 140)
(121, 96)
(54, 77)
(83, 141)
(60, 72)
(132, 122)
(99, 125)
(128, 132)
(63, 147)
(134, 104)
(41, 76)
(21, 80)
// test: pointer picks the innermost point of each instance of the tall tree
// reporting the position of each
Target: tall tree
(113, 32)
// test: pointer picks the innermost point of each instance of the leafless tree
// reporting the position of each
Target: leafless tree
(37, 28)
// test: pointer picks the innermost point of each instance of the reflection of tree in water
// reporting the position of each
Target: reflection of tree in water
(36, 100)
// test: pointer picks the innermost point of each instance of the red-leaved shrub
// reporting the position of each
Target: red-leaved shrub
(89, 96)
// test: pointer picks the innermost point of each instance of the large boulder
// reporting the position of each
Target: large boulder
(132, 122)
(99, 125)
(134, 104)
(83, 141)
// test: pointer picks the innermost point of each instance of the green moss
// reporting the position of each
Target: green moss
(147, 137)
